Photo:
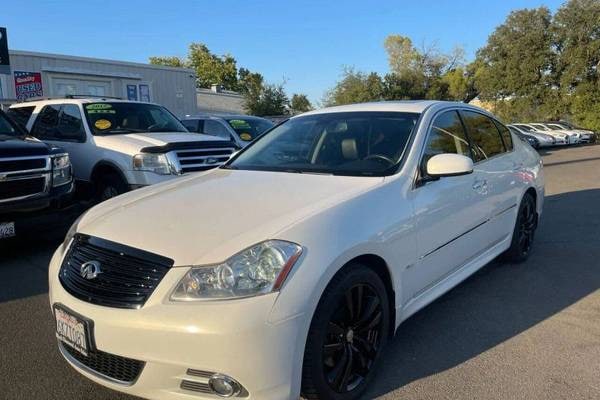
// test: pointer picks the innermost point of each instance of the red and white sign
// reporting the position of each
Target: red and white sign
(28, 84)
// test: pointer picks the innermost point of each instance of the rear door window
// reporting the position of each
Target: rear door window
(485, 138)
(21, 114)
(46, 124)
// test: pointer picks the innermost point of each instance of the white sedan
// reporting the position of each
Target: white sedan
(288, 270)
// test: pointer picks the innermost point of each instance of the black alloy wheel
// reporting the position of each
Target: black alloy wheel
(524, 231)
(527, 221)
(347, 334)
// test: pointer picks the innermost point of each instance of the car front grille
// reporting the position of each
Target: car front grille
(109, 366)
(126, 278)
(23, 177)
(17, 188)
(26, 164)
(202, 159)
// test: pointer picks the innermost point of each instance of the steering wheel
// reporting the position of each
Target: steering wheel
(380, 157)
(157, 126)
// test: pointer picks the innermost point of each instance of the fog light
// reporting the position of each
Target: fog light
(224, 386)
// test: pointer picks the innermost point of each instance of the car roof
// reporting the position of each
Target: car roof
(78, 100)
(412, 106)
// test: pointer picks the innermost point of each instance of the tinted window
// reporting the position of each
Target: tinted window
(506, 136)
(485, 138)
(353, 143)
(46, 123)
(20, 114)
(70, 125)
(191, 124)
(447, 135)
(249, 128)
(215, 128)
(6, 128)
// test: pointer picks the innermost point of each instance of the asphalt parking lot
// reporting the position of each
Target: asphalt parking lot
(528, 331)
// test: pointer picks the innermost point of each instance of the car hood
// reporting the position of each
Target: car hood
(18, 146)
(206, 218)
(132, 143)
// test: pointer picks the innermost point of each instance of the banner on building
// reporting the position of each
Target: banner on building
(4, 58)
(28, 84)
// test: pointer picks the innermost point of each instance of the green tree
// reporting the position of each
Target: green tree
(300, 103)
(355, 87)
(269, 100)
(170, 61)
(576, 29)
(515, 66)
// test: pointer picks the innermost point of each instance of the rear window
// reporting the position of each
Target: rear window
(21, 114)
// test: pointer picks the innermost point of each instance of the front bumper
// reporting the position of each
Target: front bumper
(40, 213)
(235, 338)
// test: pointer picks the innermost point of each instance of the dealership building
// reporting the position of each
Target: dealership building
(35, 74)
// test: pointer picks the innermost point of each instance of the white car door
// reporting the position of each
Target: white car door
(496, 160)
(62, 125)
(450, 212)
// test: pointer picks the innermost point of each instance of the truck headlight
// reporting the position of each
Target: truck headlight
(157, 163)
(257, 270)
(61, 170)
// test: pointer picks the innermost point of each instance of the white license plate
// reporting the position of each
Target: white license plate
(7, 229)
(71, 330)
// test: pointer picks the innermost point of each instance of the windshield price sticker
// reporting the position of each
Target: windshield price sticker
(103, 124)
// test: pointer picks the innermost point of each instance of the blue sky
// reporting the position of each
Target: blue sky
(307, 43)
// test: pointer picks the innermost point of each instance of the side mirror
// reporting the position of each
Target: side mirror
(442, 165)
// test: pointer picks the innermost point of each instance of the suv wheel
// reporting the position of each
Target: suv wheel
(347, 334)
(109, 186)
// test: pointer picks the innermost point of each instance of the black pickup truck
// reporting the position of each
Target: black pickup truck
(36, 181)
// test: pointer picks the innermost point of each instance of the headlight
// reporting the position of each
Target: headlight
(157, 163)
(71, 232)
(61, 170)
(259, 269)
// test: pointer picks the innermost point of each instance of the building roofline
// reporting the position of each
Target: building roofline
(98, 60)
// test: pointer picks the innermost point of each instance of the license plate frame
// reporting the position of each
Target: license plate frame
(81, 326)
(7, 230)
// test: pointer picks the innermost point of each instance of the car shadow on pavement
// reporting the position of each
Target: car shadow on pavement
(501, 300)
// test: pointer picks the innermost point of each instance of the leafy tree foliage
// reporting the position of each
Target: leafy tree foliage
(169, 61)
(355, 87)
(300, 103)
(270, 99)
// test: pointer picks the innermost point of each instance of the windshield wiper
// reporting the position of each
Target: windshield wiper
(123, 130)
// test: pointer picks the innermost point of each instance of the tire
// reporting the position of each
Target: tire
(346, 338)
(109, 186)
(523, 232)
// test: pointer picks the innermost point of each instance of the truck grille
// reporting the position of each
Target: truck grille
(121, 369)
(127, 276)
(22, 165)
(202, 159)
(14, 189)
(23, 177)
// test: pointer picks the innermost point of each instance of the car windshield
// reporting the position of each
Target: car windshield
(249, 129)
(540, 127)
(355, 143)
(121, 117)
(8, 129)
(555, 127)
(524, 128)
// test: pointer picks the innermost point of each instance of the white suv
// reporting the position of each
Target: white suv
(117, 145)
(288, 269)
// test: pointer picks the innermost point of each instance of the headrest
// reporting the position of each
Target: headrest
(349, 149)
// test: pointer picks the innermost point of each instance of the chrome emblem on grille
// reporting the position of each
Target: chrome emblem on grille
(212, 160)
(2, 177)
(90, 269)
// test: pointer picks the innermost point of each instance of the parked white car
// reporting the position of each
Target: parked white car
(289, 269)
(543, 139)
(560, 137)
(118, 145)
(572, 137)
(585, 136)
